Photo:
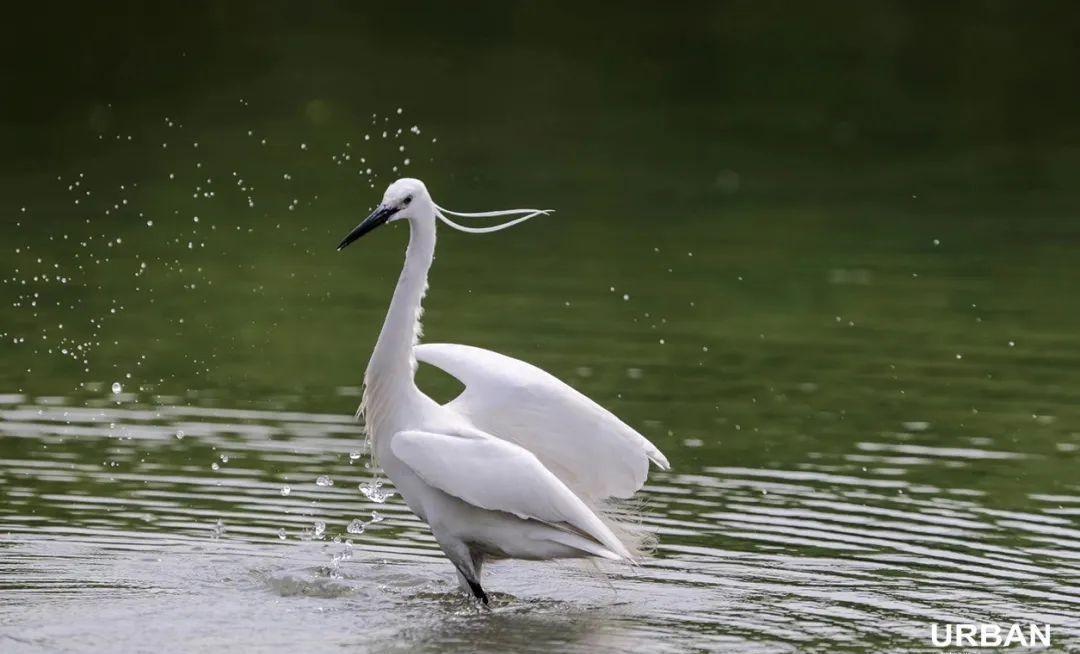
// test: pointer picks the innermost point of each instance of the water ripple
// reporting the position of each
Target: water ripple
(845, 547)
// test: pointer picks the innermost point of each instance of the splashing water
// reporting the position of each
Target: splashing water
(374, 492)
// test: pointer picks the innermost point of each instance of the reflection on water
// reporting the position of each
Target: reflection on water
(110, 518)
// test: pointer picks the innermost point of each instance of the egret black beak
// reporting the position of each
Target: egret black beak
(377, 218)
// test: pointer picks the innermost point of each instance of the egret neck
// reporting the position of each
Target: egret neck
(390, 372)
(390, 392)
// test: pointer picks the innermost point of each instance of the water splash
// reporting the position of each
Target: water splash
(373, 491)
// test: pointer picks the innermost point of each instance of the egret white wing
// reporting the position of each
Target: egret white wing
(585, 445)
(496, 475)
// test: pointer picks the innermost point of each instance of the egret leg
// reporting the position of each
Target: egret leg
(469, 563)
(478, 565)
(472, 586)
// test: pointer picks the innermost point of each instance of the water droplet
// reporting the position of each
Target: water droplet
(376, 516)
(116, 388)
(179, 434)
(320, 529)
(224, 458)
(219, 529)
(324, 480)
(356, 527)
(286, 489)
(281, 533)
(353, 456)
(215, 466)
(374, 492)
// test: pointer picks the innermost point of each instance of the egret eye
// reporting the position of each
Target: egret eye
(407, 200)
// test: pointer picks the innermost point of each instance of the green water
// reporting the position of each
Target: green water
(824, 257)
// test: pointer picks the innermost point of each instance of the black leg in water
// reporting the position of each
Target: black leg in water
(474, 584)
(477, 591)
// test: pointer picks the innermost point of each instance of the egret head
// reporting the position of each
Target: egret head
(405, 198)
(408, 198)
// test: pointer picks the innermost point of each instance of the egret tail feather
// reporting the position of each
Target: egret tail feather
(624, 519)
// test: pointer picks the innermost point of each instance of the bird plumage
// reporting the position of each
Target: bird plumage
(593, 452)
(520, 464)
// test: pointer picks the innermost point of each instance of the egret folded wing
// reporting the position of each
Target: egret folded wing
(499, 476)
(593, 452)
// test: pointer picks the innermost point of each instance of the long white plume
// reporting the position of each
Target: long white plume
(528, 213)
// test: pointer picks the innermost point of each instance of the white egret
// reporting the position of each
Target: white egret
(519, 465)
